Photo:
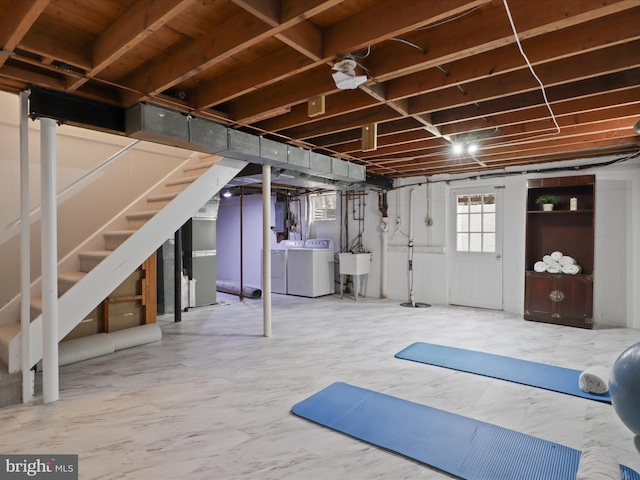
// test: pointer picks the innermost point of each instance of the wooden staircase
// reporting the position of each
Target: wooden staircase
(101, 271)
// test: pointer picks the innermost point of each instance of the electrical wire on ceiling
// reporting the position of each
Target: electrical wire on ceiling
(426, 27)
(526, 59)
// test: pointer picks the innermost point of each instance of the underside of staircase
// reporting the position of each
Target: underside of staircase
(100, 271)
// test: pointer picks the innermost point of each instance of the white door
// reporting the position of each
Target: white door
(476, 241)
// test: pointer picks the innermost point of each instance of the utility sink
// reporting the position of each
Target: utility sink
(354, 263)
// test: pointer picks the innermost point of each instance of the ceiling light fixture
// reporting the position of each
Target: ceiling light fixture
(227, 193)
(345, 74)
(636, 127)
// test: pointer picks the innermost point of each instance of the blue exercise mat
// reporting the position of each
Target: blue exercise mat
(541, 375)
(455, 444)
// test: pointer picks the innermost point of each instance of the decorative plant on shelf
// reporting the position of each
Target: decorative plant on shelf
(547, 201)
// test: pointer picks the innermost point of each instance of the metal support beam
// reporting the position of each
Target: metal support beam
(49, 242)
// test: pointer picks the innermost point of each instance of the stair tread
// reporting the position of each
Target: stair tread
(36, 302)
(148, 213)
(8, 331)
(164, 196)
(95, 253)
(119, 233)
(180, 181)
(71, 276)
(198, 166)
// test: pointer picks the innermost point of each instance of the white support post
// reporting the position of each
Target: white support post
(25, 250)
(266, 248)
(50, 369)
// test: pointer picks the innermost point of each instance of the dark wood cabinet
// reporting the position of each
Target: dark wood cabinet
(560, 298)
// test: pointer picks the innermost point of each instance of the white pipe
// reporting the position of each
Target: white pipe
(266, 248)
(49, 243)
(385, 242)
(25, 250)
(411, 194)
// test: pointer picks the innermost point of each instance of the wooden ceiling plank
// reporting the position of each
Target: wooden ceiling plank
(267, 11)
(304, 37)
(565, 71)
(341, 103)
(444, 44)
(593, 103)
(15, 25)
(389, 19)
(584, 88)
(232, 37)
(32, 77)
(18, 20)
(392, 95)
(47, 48)
(402, 17)
(550, 47)
(347, 122)
(242, 80)
(141, 20)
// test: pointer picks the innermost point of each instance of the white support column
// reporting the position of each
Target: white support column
(266, 248)
(50, 370)
(25, 249)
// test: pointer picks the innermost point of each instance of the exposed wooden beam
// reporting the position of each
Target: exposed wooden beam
(140, 21)
(565, 71)
(304, 37)
(15, 25)
(263, 72)
(389, 19)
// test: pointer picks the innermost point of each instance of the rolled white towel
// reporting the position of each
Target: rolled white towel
(597, 464)
(594, 379)
(557, 256)
(548, 259)
(567, 260)
(554, 268)
(540, 267)
(571, 269)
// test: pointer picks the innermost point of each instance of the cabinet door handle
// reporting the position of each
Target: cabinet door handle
(498, 256)
(556, 296)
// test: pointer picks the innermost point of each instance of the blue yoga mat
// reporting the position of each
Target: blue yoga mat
(541, 375)
(455, 444)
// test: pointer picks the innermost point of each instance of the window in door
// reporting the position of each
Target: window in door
(476, 222)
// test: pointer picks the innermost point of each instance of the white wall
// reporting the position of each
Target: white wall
(617, 261)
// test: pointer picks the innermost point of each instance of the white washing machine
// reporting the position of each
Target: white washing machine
(279, 257)
(310, 270)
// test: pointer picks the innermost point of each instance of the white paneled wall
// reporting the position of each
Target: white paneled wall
(617, 260)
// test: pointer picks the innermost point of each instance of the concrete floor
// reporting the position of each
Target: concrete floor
(212, 400)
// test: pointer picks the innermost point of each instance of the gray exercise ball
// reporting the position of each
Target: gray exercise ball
(624, 387)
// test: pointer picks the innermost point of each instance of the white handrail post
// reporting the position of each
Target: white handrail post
(25, 249)
(49, 241)
(266, 248)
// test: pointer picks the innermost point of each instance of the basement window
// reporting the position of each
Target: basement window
(476, 223)
(323, 206)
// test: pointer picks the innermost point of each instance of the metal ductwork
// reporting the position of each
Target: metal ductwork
(169, 127)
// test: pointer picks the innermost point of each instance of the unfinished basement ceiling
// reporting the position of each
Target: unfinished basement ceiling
(437, 72)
